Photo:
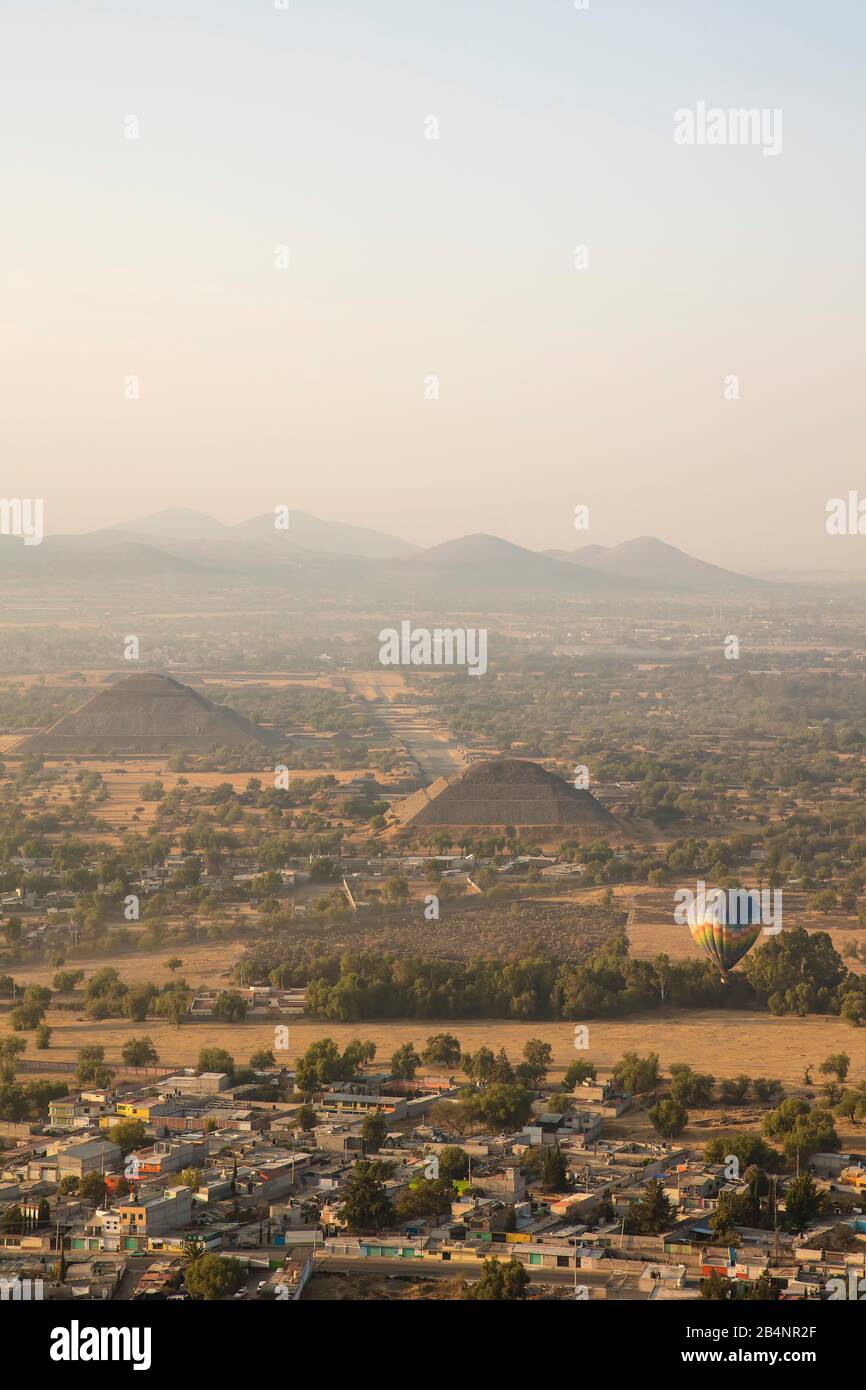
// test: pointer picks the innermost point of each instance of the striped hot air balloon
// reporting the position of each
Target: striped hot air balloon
(726, 925)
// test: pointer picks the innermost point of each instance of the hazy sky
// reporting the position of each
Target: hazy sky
(305, 127)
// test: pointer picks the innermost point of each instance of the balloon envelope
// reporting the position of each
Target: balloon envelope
(726, 926)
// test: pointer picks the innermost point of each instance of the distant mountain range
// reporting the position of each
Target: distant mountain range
(181, 545)
(181, 524)
(479, 563)
(650, 561)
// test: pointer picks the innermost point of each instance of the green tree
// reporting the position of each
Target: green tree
(802, 1131)
(66, 980)
(668, 1118)
(138, 1002)
(12, 931)
(479, 1065)
(366, 1207)
(212, 1277)
(230, 1007)
(10, 1050)
(537, 1059)
(578, 1072)
(498, 1282)
(93, 1187)
(781, 1120)
(318, 1066)
(139, 1052)
(637, 1074)
(374, 1127)
(12, 1219)
(653, 1213)
(716, 1287)
(26, 1017)
(456, 1117)
(733, 1090)
(797, 972)
(766, 1089)
(555, 1172)
(764, 1288)
(91, 1069)
(851, 1105)
(405, 1062)
(803, 1202)
(453, 1163)
(356, 1054)
(425, 1199)
(129, 1134)
(174, 1002)
(734, 1209)
(305, 1117)
(442, 1049)
(502, 1069)
(748, 1149)
(504, 1107)
(215, 1059)
(692, 1088)
(837, 1065)
(396, 891)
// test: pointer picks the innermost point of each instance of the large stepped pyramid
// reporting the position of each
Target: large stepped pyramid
(506, 791)
(141, 714)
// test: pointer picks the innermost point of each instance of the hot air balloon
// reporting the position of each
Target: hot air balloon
(726, 925)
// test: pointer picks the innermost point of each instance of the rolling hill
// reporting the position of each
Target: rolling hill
(309, 532)
(480, 563)
(194, 549)
(648, 561)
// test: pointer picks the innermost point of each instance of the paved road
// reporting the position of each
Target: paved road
(418, 729)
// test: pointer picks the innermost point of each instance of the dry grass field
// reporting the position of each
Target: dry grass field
(125, 810)
(721, 1043)
(207, 964)
(652, 928)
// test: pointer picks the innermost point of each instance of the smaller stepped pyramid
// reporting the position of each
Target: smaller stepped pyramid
(142, 714)
(505, 792)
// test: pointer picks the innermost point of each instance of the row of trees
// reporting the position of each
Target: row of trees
(796, 972)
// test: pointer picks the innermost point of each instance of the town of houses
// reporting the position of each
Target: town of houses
(263, 1183)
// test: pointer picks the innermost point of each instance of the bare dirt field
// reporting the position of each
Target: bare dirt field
(341, 1288)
